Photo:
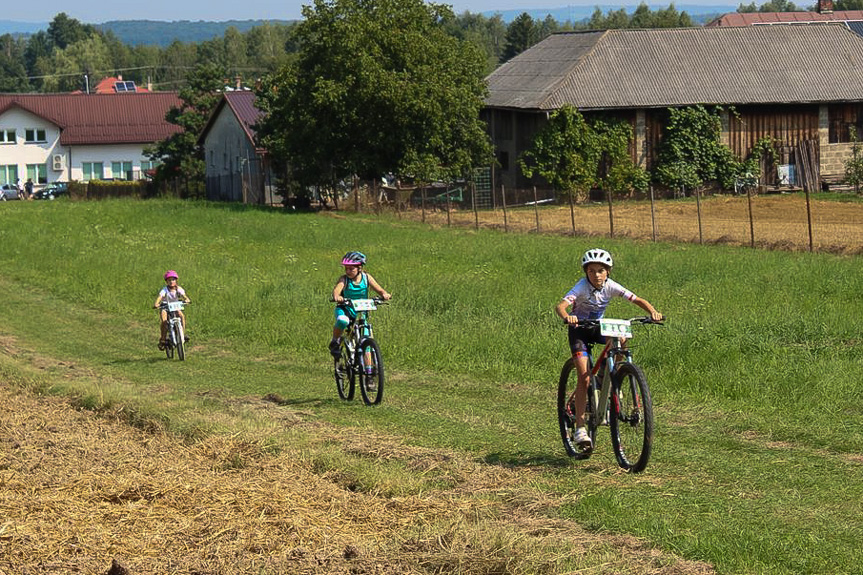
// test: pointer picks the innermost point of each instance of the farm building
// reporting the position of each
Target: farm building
(237, 168)
(794, 83)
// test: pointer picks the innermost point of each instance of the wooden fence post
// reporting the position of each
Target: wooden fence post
(536, 209)
(503, 203)
(698, 208)
(652, 212)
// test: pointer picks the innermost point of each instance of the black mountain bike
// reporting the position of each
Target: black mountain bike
(617, 396)
(359, 355)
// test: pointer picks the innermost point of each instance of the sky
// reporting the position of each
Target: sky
(98, 11)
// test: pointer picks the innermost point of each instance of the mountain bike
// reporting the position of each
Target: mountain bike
(359, 355)
(618, 396)
(175, 338)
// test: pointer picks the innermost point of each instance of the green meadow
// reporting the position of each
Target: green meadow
(756, 377)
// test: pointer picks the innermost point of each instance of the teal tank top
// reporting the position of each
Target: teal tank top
(356, 291)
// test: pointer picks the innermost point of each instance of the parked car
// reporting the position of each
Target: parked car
(8, 192)
(52, 191)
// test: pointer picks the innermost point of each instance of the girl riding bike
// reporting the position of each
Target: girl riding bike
(354, 284)
(587, 300)
(171, 292)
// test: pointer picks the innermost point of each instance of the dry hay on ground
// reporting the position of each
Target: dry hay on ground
(79, 492)
(779, 221)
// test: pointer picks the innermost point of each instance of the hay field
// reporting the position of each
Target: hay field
(779, 221)
(85, 493)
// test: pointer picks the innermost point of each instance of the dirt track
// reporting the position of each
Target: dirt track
(79, 491)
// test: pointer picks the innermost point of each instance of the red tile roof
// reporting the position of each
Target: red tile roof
(133, 118)
(109, 86)
(754, 18)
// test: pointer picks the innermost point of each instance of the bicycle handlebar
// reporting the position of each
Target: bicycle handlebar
(346, 301)
(640, 319)
(164, 304)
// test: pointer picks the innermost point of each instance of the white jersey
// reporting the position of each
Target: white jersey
(169, 297)
(588, 302)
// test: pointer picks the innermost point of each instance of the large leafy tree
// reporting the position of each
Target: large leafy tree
(179, 155)
(13, 74)
(691, 153)
(377, 87)
(566, 152)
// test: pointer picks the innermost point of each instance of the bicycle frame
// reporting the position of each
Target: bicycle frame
(614, 347)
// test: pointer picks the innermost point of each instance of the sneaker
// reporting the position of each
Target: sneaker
(582, 438)
(334, 348)
(162, 344)
(185, 338)
(371, 383)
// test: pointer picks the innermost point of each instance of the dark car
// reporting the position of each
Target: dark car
(8, 192)
(52, 191)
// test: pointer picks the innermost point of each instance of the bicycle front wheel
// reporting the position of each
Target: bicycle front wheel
(372, 376)
(631, 417)
(566, 412)
(344, 372)
(179, 338)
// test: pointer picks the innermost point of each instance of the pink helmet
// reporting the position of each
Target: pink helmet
(171, 274)
(354, 259)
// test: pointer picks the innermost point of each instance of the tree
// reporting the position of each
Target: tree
(179, 155)
(377, 87)
(13, 74)
(65, 31)
(521, 34)
(691, 153)
(566, 152)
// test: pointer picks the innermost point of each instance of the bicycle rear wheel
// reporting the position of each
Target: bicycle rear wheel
(566, 412)
(344, 372)
(372, 374)
(631, 417)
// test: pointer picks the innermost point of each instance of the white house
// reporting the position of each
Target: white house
(64, 137)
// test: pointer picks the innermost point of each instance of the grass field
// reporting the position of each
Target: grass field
(755, 378)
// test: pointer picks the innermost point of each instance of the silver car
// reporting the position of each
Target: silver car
(8, 192)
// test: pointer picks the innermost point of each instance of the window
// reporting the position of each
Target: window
(8, 174)
(32, 136)
(7, 136)
(148, 167)
(93, 171)
(38, 173)
(121, 170)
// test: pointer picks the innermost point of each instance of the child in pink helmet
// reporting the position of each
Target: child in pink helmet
(171, 292)
(354, 284)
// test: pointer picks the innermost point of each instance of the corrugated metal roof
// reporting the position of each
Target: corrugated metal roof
(243, 104)
(683, 66)
(754, 18)
(101, 118)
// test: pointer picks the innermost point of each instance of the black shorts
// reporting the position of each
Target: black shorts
(581, 339)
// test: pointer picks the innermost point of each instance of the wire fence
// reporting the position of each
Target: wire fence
(777, 220)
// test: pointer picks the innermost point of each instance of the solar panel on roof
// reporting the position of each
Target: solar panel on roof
(120, 86)
(130, 86)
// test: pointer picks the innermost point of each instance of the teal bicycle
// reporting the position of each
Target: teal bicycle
(359, 355)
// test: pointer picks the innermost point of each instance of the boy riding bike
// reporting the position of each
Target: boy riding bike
(354, 284)
(587, 300)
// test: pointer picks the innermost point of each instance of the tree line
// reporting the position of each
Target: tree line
(59, 58)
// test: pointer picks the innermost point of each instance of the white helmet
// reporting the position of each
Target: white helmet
(597, 256)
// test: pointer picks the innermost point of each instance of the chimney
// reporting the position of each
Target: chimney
(238, 82)
(119, 77)
(825, 6)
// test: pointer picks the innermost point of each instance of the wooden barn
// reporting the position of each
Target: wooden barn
(794, 83)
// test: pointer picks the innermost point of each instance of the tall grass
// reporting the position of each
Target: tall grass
(755, 377)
